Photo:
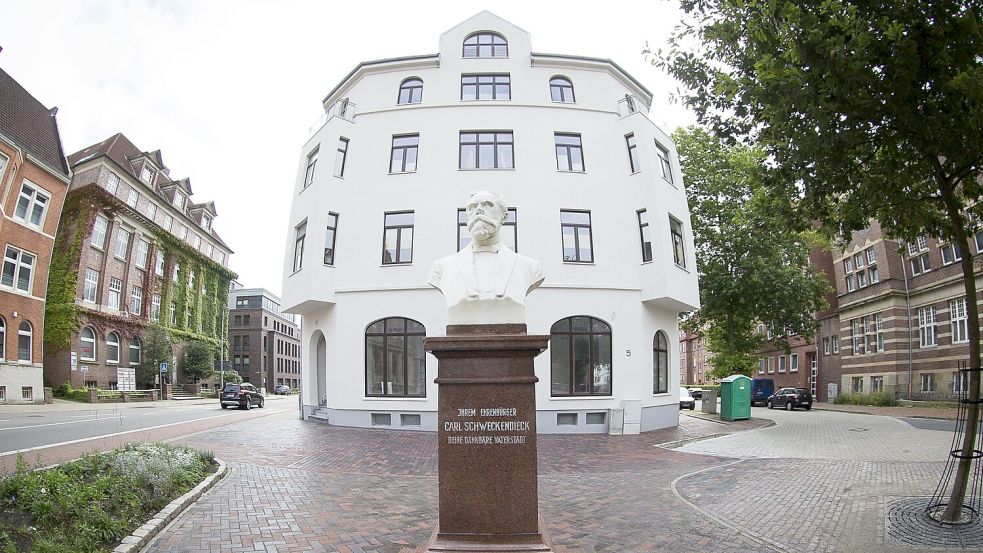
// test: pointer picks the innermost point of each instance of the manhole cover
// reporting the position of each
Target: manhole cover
(909, 524)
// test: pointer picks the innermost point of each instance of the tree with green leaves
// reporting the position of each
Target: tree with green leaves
(199, 360)
(752, 268)
(231, 377)
(156, 349)
(865, 110)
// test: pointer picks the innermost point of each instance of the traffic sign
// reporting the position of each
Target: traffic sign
(163, 368)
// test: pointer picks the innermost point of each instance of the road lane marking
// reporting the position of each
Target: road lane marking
(57, 423)
(70, 442)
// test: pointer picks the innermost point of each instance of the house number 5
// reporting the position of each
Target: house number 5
(627, 353)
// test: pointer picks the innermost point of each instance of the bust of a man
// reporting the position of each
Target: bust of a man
(486, 282)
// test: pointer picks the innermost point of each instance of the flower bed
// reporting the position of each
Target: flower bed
(90, 504)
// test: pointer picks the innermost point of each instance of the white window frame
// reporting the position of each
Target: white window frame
(84, 340)
(147, 174)
(90, 285)
(927, 329)
(879, 328)
(29, 333)
(19, 264)
(115, 293)
(159, 263)
(136, 300)
(112, 183)
(835, 342)
(168, 222)
(782, 362)
(826, 345)
(155, 307)
(122, 243)
(100, 228)
(793, 363)
(143, 253)
(30, 202)
(109, 347)
(930, 381)
(959, 320)
(132, 198)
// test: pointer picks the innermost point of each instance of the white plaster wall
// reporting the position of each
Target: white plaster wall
(636, 298)
(14, 376)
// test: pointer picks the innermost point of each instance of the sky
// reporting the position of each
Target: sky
(228, 90)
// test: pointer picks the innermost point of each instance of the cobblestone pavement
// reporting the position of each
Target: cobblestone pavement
(297, 486)
(830, 435)
(821, 481)
(898, 411)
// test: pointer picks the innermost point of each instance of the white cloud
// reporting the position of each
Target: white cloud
(227, 89)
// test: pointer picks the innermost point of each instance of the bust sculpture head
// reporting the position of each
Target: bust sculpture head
(486, 215)
(486, 283)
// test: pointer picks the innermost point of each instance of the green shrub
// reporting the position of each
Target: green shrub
(878, 399)
(90, 504)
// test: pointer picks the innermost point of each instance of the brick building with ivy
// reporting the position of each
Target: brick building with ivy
(33, 182)
(133, 252)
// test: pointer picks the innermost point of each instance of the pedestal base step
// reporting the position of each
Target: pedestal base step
(489, 543)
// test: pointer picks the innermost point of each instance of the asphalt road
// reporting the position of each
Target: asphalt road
(47, 427)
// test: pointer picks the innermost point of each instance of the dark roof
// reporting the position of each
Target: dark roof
(119, 149)
(29, 124)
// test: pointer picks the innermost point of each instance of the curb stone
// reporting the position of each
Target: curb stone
(680, 443)
(142, 535)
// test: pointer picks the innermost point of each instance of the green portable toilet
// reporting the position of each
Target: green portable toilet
(735, 398)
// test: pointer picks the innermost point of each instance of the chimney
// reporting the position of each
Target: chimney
(54, 111)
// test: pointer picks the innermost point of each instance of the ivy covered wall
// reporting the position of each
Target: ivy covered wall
(201, 312)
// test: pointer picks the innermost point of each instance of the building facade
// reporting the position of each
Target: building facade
(34, 179)
(902, 320)
(694, 360)
(595, 194)
(265, 341)
(134, 253)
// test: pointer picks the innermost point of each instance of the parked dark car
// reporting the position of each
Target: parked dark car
(686, 401)
(761, 390)
(243, 396)
(697, 393)
(282, 389)
(790, 398)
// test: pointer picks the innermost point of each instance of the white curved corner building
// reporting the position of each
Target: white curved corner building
(598, 199)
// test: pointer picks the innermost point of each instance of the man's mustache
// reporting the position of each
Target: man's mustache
(483, 219)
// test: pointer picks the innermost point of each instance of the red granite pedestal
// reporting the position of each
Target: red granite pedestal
(486, 432)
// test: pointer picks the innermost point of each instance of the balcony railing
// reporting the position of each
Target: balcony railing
(631, 104)
(343, 108)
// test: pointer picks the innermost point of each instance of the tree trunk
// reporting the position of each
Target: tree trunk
(953, 510)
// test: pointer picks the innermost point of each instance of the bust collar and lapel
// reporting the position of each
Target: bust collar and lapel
(504, 265)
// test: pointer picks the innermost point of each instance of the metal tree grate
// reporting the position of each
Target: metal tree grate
(974, 492)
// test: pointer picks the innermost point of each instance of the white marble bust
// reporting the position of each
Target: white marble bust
(486, 282)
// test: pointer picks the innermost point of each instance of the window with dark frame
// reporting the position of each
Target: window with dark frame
(486, 87)
(329, 238)
(580, 357)
(508, 232)
(485, 45)
(410, 91)
(395, 360)
(660, 364)
(3, 324)
(569, 152)
(404, 153)
(561, 90)
(301, 234)
(578, 245)
(632, 153)
(340, 157)
(486, 150)
(678, 250)
(645, 233)
(397, 247)
(664, 162)
(311, 165)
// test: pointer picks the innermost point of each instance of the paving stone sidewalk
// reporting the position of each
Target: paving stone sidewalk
(948, 413)
(301, 486)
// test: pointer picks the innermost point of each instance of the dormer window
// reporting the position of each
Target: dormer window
(147, 174)
(206, 222)
(179, 200)
(486, 45)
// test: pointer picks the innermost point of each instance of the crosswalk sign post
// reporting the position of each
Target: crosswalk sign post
(163, 371)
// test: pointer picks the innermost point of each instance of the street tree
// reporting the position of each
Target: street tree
(753, 268)
(156, 349)
(199, 360)
(865, 109)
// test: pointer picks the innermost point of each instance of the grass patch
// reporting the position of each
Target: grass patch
(89, 505)
(878, 399)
